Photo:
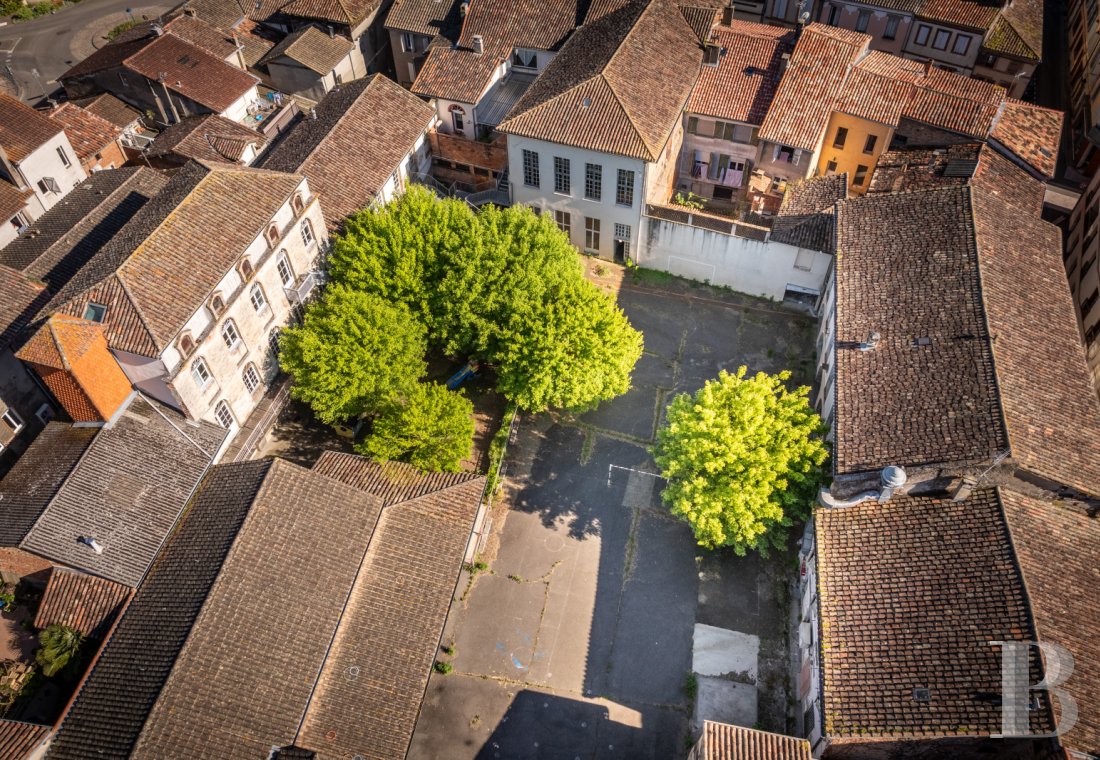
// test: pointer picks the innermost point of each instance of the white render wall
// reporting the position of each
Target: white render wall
(227, 366)
(745, 265)
(45, 162)
(606, 210)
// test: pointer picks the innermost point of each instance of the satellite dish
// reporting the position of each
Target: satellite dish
(804, 17)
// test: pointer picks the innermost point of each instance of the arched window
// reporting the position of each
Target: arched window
(273, 235)
(230, 335)
(217, 305)
(298, 203)
(307, 233)
(273, 341)
(251, 378)
(246, 270)
(224, 415)
(259, 301)
(187, 345)
(286, 274)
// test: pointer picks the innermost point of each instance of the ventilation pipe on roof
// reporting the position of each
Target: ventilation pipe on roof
(479, 44)
(331, 34)
(92, 543)
(890, 480)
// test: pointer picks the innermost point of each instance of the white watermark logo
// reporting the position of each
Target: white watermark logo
(1016, 688)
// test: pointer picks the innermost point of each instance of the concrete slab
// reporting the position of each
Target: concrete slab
(631, 414)
(660, 318)
(726, 702)
(721, 652)
(495, 634)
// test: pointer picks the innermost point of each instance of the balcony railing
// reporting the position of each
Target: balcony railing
(300, 292)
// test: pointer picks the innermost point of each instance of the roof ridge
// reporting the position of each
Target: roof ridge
(473, 476)
(57, 345)
(649, 148)
(328, 132)
(137, 309)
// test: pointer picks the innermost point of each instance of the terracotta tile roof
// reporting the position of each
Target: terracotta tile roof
(721, 741)
(1047, 396)
(392, 482)
(18, 739)
(971, 14)
(1052, 543)
(110, 108)
(701, 16)
(361, 134)
(88, 133)
(906, 268)
(349, 12)
(113, 54)
(808, 214)
(84, 602)
(975, 164)
(192, 72)
(342, 675)
(911, 593)
(742, 85)
(62, 342)
(109, 711)
(23, 129)
(1018, 30)
(257, 612)
(312, 48)
(810, 86)
(20, 300)
(391, 637)
(223, 14)
(606, 91)
(428, 17)
(199, 32)
(1003, 368)
(456, 74)
(37, 476)
(207, 137)
(12, 200)
(147, 275)
(1032, 133)
(504, 24)
(127, 491)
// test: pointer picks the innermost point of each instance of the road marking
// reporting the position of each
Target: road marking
(611, 467)
(8, 46)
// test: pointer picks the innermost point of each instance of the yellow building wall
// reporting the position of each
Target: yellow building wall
(851, 156)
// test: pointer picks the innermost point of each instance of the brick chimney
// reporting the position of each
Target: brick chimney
(72, 358)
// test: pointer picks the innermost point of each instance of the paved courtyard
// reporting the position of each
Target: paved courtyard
(579, 638)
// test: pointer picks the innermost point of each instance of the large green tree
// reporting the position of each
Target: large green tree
(744, 457)
(429, 427)
(354, 352)
(504, 286)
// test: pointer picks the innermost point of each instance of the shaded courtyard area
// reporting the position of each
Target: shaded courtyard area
(582, 636)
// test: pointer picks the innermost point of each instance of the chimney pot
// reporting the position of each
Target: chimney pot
(479, 44)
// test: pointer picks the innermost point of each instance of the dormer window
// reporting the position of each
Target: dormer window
(298, 203)
(187, 345)
(217, 305)
(246, 270)
(273, 235)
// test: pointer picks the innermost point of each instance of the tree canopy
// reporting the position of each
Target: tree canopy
(59, 645)
(743, 457)
(502, 285)
(353, 352)
(429, 427)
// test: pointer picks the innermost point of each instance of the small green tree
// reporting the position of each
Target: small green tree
(354, 352)
(59, 645)
(743, 458)
(429, 427)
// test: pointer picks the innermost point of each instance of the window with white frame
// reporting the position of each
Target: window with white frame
(561, 176)
(458, 121)
(307, 233)
(230, 335)
(63, 156)
(223, 415)
(45, 414)
(286, 274)
(624, 188)
(622, 232)
(591, 234)
(564, 220)
(251, 378)
(408, 42)
(593, 182)
(201, 373)
(530, 168)
(12, 421)
(259, 302)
